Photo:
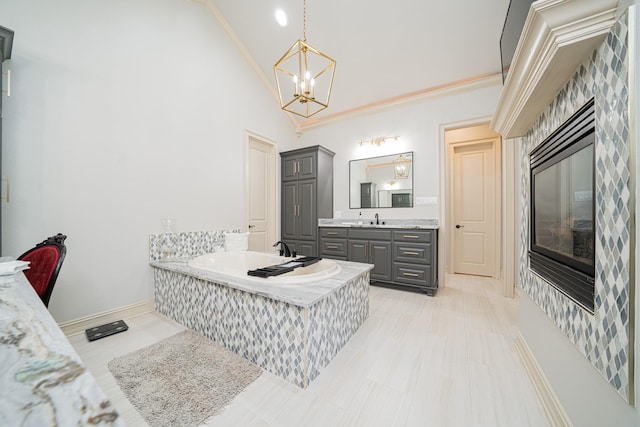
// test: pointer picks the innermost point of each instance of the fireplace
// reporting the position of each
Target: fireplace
(562, 233)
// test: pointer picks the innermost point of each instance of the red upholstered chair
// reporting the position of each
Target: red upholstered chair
(45, 262)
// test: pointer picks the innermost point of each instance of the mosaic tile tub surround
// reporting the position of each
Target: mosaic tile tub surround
(290, 341)
(605, 337)
(189, 244)
(292, 331)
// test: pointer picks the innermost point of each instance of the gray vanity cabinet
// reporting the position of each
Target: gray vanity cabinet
(299, 165)
(401, 257)
(307, 194)
(373, 247)
(298, 207)
(333, 243)
(368, 195)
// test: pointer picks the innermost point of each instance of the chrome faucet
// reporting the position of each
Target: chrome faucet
(284, 249)
(377, 220)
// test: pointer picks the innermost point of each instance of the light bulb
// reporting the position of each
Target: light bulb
(281, 17)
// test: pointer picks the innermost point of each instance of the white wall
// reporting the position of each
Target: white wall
(123, 112)
(418, 125)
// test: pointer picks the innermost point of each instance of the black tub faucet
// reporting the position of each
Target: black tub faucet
(284, 249)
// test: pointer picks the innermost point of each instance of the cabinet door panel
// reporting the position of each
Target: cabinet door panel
(307, 248)
(289, 168)
(307, 165)
(358, 251)
(380, 257)
(289, 210)
(307, 210)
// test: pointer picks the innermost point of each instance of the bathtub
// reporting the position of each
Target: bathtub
(291, 325)
(237, 263)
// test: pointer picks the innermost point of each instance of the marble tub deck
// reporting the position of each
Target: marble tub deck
(292, 331)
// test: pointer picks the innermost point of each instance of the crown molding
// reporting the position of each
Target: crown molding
(388, 103)
(557, 36)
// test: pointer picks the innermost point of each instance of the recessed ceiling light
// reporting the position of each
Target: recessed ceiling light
(281, 17)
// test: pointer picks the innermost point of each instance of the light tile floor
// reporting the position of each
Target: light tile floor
(447, 360)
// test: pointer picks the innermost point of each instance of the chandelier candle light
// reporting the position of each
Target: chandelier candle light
(304, 77)
(401, 167)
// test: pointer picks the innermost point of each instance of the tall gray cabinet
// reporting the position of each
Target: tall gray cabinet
(6, 43)
(306, 195)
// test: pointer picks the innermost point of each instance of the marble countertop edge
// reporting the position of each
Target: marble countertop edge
(404, 224)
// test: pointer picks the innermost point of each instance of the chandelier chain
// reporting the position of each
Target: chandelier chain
(304, 19)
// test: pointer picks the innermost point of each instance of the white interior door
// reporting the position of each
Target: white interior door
(260, 194)
(474, 184)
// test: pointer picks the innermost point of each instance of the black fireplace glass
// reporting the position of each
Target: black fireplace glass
(564, 214)
(563, 228)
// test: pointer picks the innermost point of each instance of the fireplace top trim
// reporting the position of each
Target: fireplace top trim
(557, 36)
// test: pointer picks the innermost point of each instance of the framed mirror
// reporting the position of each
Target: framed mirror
(381, 182)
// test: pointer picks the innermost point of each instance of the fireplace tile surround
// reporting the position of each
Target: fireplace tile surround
(605, 337)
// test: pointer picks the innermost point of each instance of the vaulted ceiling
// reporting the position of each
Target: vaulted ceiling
(383, 49)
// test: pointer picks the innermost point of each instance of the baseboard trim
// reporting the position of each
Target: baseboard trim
(74, 327)
(552, 406)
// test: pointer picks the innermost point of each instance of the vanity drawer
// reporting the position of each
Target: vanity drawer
(417, 236)
(419, 253)
(412, 274)
(369, 234)
(333, 247)
(333, 232)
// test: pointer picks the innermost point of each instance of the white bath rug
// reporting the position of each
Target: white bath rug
(182, 380)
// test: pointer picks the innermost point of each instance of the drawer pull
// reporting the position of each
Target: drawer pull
(332, 233)
(410, 253)
(411, 236)
(332, 247)
(411, 274)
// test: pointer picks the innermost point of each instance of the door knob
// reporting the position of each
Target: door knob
(251, 226)
(459, 226)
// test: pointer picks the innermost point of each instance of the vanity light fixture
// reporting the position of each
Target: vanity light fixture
(401, 167)
(379, 140)
(311, 73)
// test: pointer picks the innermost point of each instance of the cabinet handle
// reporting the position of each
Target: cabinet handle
(297, 167)
(410, 236)
(410, 253)
(411, 274)
(332, 233)
(366, 249)
(332, 247)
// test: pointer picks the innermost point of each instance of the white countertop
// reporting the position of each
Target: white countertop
(426, 224)
(43, 382)
(300, 294)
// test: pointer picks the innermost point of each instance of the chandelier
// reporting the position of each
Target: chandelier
(304, 77)
(401, 166)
